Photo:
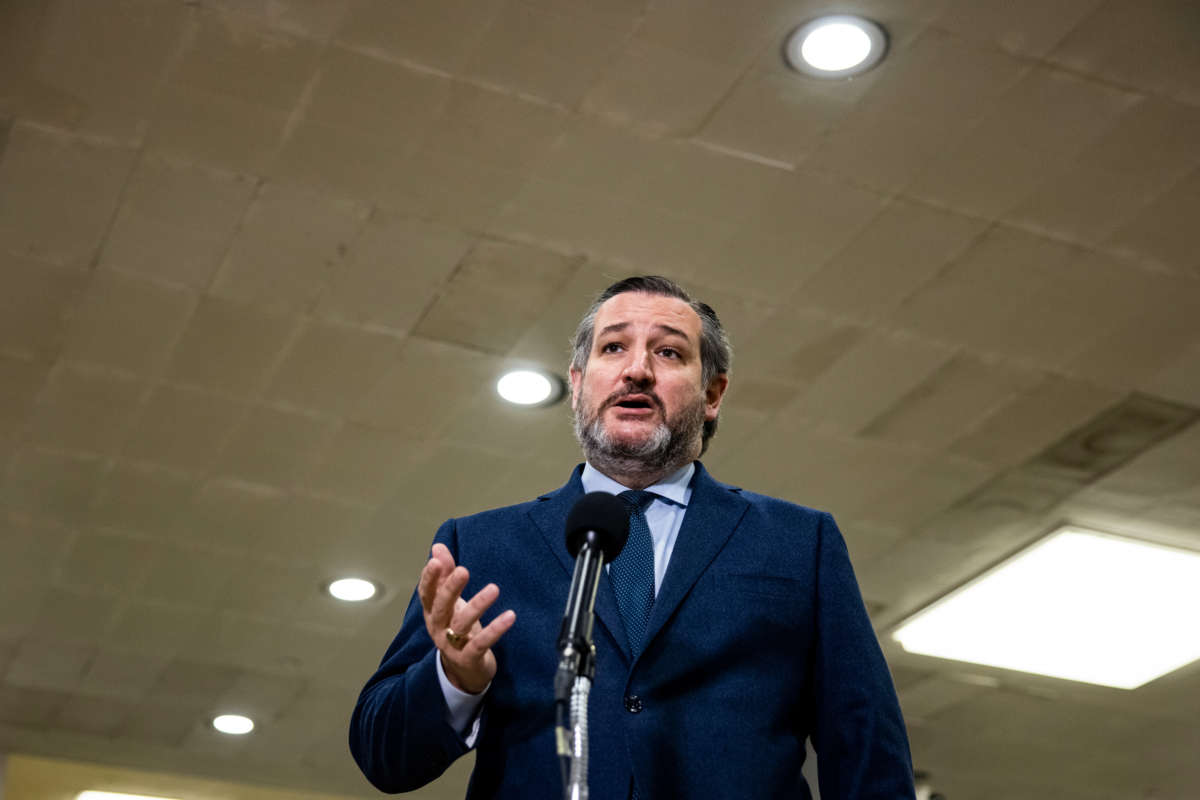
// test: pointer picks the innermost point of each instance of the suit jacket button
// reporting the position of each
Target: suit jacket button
(633, 704)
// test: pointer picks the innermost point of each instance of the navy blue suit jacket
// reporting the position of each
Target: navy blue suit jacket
(758, 639)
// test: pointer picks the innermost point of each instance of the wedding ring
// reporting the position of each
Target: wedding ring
(457, 640)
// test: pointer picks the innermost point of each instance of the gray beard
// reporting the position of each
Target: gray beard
(669, 447)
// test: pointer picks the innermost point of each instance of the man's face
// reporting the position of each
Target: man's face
(640, 400)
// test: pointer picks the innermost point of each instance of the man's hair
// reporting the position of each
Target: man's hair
(716, 354)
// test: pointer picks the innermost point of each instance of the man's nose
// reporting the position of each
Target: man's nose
(638, 369)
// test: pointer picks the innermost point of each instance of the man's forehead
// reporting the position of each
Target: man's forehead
(645, 308)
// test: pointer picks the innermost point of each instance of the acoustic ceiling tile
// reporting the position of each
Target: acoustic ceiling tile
(85, 409)
(393, 270)
(435, 34)
(35, 304)
(51, 485)
(182, 428)
(1162, 235)
(1026, 27)
(230, 347)
(110, 324)
(288, 247)
(58, 193)
(176, 221)
(105, 564)
(330, 366)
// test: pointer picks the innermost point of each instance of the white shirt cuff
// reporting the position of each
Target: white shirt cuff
(462, 708)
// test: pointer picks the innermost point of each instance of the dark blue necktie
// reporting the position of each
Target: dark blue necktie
(632, 572)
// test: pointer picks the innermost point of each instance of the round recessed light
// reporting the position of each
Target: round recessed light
(526, 387)
(234, 724)
(836, 46)
(353, 590)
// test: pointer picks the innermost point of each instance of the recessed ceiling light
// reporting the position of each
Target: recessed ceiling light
(233, 724)
(526, 387)
(836, 46)
(1079, 605)
(94, 795)
(353, 590)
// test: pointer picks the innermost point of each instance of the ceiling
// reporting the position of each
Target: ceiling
(262, 261)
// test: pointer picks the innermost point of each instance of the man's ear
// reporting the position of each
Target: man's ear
(576, 376)
(714, 394)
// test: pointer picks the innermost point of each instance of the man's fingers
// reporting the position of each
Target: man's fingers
(442, 608)
(431, 574)
(467, 614)
(483, 640)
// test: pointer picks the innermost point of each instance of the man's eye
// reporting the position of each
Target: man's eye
(669, 352)
(611, 347)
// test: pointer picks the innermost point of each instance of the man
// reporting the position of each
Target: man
(751, 638)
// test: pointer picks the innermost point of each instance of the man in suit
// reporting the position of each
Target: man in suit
(729, 630)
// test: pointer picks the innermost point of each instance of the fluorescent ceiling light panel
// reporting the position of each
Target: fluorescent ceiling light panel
(1078, 605)
(93, 795)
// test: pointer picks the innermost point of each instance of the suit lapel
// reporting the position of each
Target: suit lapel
(550, 516)
(712, 514)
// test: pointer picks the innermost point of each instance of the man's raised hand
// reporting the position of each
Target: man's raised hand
(453, 623)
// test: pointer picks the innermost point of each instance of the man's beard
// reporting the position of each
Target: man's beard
(673, 443)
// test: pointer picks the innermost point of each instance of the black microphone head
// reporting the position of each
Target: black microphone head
(604, 513)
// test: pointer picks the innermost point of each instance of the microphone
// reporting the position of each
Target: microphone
(596, 530)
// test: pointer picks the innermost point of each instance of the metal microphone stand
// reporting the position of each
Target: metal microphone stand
(573, 680)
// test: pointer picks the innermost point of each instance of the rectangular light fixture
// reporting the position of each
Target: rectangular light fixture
(94, 795)
(1079, 605)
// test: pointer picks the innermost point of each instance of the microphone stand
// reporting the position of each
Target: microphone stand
(576, 669)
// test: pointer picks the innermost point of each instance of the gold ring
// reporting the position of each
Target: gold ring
(457, 640)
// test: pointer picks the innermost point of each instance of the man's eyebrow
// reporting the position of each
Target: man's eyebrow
(617, 327)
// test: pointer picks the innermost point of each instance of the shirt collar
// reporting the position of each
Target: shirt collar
(674, 487)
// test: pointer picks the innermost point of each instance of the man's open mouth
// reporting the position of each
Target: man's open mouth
(635, 402)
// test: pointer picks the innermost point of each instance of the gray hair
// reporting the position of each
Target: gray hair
(716, 354)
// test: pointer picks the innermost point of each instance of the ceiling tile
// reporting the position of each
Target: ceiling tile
(272, 447)
(194, 682)
(193, 125)
(116, 673)
(659, 90)
(141, 498)
(86, 409)
(943, 80)
(804, 221)
(310, 532)
(437, 34)
(548, 340)
(22, 381)
(1024, 27)
(1032, 420)
(1136, 44)
(348, 91)
(930, 487)
(492, 128)
(337, 161)
(445, 188)
(161, 630)
(110, 324)
(1018, 294)
(230, 347)
(1178, 380)
(361, 464)
(954, 398)
(899, 250)
(104, 563)
(36, 301)
(71, 615)
(31, 553)
(1156, 137)
(289, 246)
(1057, 112)
(51, 485)
(869, 378)
(715, 30)
(542, 50)
(161, 724)
(495, 294)
(176, 221)
(329, 367)
(392, 271)
(182, 428)
(58, 193)
(1084, 204)
(795, 345)
(49, 665)
(1163, 234)
(183, 575)
(52, 51)
(309, 19)
(229, 55)
(779, 117)
(228, 517)
(29, 707)
(96, 716)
